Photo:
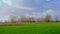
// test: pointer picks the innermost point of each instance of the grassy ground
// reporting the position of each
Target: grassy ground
(46, 28)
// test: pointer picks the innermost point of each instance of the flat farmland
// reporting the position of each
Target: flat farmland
(43, 28)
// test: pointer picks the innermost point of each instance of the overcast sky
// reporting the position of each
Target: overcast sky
(29, 8)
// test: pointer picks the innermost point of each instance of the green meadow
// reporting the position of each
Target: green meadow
(42, 28)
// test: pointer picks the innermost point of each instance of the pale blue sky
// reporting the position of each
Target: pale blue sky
(29, 8)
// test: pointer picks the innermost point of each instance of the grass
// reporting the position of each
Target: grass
(46, 28)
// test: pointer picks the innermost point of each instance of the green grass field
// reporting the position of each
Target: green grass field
(46, 28)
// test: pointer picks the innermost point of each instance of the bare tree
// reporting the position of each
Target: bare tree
(56, 18)
(13, 19)
(47, 18)
(26, 19)
(22, 18)
(32, 19)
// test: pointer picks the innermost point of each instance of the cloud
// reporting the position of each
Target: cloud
(37, 1)
(0, 3)
(29, 15)
(48, 0)
(42, 14)
(24, 8)
(50, 12)
(34, 14)
(4, 18)
(17, 4)
(7, 2)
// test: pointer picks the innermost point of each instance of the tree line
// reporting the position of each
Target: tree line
(27, 19)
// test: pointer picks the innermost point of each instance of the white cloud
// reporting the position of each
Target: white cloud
(7, 2)
(49, 11)
(25, 8)
(17, 4)
(28, 15)
(0, 3)
(37, 1)
(48, 0)
(4, 18)
(34, 14)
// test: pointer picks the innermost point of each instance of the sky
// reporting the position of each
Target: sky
(34, 8)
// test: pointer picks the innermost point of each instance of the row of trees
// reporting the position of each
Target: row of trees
(25, 19)
(21, 19)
